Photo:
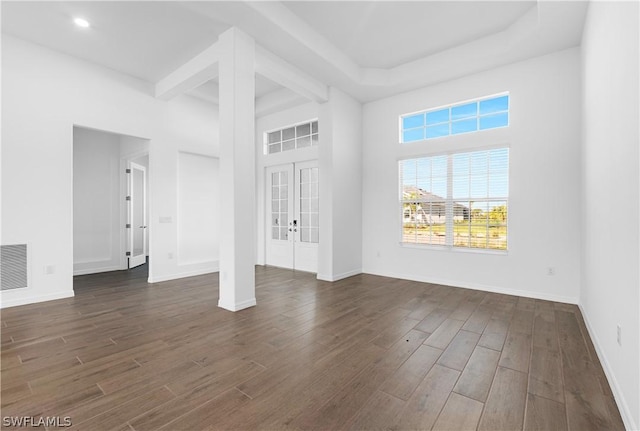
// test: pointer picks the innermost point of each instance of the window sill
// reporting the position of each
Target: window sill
(453, 249)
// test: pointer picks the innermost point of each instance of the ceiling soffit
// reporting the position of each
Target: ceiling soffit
(530, 30)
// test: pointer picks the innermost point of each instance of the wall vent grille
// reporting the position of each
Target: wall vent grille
(13, 266)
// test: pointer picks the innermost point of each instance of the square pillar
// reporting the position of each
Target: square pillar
(237, 170)
(340, 171)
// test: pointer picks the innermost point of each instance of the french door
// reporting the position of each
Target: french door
(292, 227)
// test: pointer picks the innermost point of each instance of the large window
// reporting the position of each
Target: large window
(481, 114)
(456, 200)
(290, 138)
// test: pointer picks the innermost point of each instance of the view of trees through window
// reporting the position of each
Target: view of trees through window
(458, 200)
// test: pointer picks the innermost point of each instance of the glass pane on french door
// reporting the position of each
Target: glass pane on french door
(279, 205)
(309, 205)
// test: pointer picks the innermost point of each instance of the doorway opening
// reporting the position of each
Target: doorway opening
(137, 219)
(110, 182)
(292, 216)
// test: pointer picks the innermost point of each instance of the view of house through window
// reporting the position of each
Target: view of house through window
(456, 200)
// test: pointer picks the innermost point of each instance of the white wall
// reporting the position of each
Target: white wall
(198, 210)
(339, 156)
(266, 123)
(610, 293)
(96, 201)
(544, 205)
(44, 94)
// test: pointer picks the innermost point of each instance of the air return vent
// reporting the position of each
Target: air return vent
(13, 266)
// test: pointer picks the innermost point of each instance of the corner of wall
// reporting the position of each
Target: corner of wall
(621, 401)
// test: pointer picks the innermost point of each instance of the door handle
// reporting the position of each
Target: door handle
(143, 227)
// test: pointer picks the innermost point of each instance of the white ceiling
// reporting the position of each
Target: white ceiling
(147, 40)
(384, 34)
(370, 49)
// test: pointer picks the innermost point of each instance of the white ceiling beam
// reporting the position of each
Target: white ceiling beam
(204, 67)
(190, 75)
(279, 71)
(289, 22)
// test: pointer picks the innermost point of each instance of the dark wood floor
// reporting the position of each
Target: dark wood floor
(367, 352)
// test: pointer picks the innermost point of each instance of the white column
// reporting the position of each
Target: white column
(237, 170)
(340, 171)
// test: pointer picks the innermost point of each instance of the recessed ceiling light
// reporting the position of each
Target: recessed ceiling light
(81, 22)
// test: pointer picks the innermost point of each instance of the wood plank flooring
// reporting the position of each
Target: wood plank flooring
(363, 353)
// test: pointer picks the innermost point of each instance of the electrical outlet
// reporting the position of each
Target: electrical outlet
(551, 270)
(619, 335)
(49, 269)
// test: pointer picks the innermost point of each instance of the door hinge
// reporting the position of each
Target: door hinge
(128, 226)
(128, 171)
(128, 253)
(128, 198)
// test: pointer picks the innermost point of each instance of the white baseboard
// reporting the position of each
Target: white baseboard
(336, 277)
(98, 266)
(196, 269)
(13, 302)
(178, 275)
(98, 270)
(237, 306)
(477, 286)
(613, 382)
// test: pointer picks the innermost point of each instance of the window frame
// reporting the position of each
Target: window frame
(450, 201)
(450, 122)
(266, 133)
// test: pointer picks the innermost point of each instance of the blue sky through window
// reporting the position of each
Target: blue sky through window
(463, 118)
(413, 121)
(436, 117)
(497, 104)
(464, 126)
(493, 121)
(475, 175)
(438, 130)
(464, 111)
(413, 135)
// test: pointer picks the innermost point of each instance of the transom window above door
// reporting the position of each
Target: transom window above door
(290, 138)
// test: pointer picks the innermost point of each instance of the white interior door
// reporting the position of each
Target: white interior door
(292, 216)
(137, 214)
